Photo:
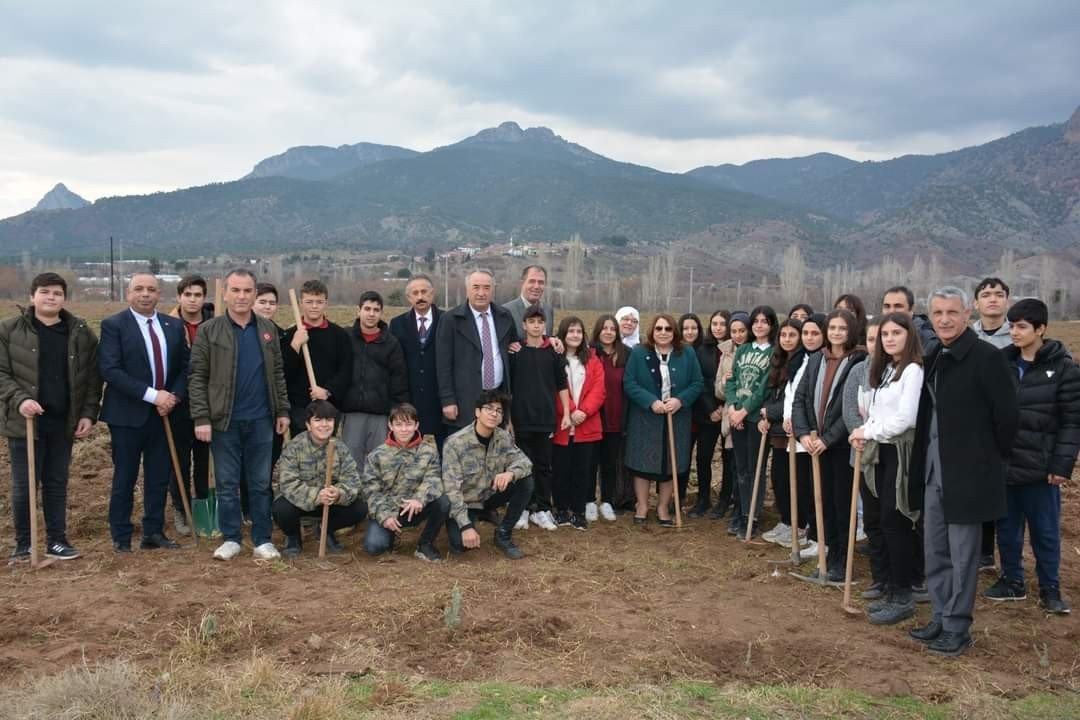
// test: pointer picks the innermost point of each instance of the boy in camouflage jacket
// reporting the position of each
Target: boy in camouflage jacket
(301, 474)
(402, 486)
(482, 470)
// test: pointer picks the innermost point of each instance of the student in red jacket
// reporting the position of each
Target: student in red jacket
(573, 446)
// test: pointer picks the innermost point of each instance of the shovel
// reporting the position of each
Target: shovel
(181, 483)
(819, 516)
(327, 483)
(674, 471)
(852, 521)
(793, 484)
(204, 512)
(36, 561)
(754, 493)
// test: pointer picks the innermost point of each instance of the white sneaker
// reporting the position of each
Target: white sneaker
(607, 512)
(523, 521)
(543, 520)
(776, 533)
(551, 524)
(860, 534)
(266, 551)
(227, 550)
(179, 524)
(785, 539)
(590, 512)
(810, 551)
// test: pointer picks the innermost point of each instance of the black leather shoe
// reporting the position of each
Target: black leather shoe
(950, 644)
(121, 547)
(158, 540)
(928, 633)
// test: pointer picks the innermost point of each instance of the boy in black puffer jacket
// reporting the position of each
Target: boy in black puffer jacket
(1047, 440)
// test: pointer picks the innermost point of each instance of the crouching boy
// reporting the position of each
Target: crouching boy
(1042, 458)
(402, 486)
(483, 470)
(301, 478)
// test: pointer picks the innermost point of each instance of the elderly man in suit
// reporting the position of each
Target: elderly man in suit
(473, 346)
(533, 284)
(416, 330)
(143, 359)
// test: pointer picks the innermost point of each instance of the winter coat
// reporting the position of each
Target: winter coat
(977, 420)
(19, 371)
(380, 377)
(331, 363)
(301, 473)
(707, 402)
(804, 412)
(1048, 400)
(461, 357)
(646, 449)
(590, 402)
(469, 468)
(395, 473)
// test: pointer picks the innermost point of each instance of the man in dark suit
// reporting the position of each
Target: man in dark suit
(143, 359)
(473, 346)
(415, 330)
(533, 284)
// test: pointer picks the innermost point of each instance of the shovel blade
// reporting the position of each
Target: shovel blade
(204, 515)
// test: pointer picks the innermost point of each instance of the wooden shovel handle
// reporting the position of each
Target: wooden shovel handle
(331, 444)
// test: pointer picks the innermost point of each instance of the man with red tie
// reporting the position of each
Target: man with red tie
(143, 359)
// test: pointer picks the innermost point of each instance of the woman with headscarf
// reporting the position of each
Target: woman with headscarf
(629, 325)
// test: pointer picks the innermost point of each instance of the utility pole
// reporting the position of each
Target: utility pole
(446, 283)
(112, 272)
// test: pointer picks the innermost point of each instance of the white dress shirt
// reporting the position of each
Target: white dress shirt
(496, 355)
(427, 321)
(151, 394)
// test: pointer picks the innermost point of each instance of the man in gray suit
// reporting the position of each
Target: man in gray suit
(533, 284)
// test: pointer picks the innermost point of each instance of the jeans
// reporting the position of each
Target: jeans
(515, 497)
(52, 458)
(129, 444)
(242, 457)
(378, 539)
(1039, 504)
(572, 463)
(287, 516)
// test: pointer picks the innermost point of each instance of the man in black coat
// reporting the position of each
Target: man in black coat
(473, 345)
(966, 424)
(415, 330)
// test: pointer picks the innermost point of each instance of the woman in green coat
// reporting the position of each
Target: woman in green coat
(661, 378)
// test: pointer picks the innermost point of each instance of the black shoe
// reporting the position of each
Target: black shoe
(20, 554)
(121, 547)
(900, 607)
(639, 520)
(427, 552)
(578, 522)
(293, 546)
(562, 518)
(950, 644)
(665, 522)
(1051, 601)
(986, 563)
(718, 512)
(1005, 590)
(698, 511)
(332, 545)
(874, 592)
(863, 549)
(927, 634)
(61, 550)
(880, 604)
(157, 540)
(505, 542)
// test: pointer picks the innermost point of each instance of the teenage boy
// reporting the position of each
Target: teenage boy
(482, 471)
(538, 372)
(301, 481)
(328, 346)
(900, 299)
(402, 485)
(48, 371)
(380, 379)
(1042, 458)
(194, 455)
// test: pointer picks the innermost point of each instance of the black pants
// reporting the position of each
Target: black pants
(872, 515)
(707, 437)
(901, 540)
(747, 442)
(52, 458)
(378, 539)
(728, 480)
(537, 446)
(515, 497)
(287, 516)
(194, 458)
(572, 463)
(130, 445)
(781, 483)
(988, 530)
(836, 478)
(605, 465)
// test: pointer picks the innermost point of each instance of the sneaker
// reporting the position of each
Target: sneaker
(899, 608)
(607, 512)
(293, 546)
(810, 551)
(60, 550)
(776, 533)
(1005, 590)
(427, 552)
(266, 551)
(227, 550)
(860, 534)
(179, 523)
(332, 545)
(591, 512)
(874, 592)
(20, 554)
(505, 542)
(950, 644)
(523, 521)
(562, 518)
(786, 540)
(986, 563)
(578, 522)
(543, 520)
(1051, 601)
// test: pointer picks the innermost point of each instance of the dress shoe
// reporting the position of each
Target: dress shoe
(158, 540)
(950, 644)
(927, 634)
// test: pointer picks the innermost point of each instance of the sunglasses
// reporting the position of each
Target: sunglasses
(663, 328)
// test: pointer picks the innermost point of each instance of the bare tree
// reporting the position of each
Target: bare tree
(650, 284)
(575, 263)
(669, 274)
(793, 275)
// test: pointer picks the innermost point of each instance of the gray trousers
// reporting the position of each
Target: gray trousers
(362, 433)
(951, 550)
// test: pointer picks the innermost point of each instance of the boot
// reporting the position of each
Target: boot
(293, 546)
(901, 606)
(505, 542)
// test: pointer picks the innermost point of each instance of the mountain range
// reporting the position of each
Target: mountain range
(1019, 192)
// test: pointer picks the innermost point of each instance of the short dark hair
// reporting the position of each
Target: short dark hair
(314, 287)
(534, 311)
(488, 397)
(901, 289)
(1030, 310)
(989, 282)
(369, 296)
(47, 279)
(403, 411)
(321, 409)
(265, 287)
(541, 268)
(191, 281)
(241, 272)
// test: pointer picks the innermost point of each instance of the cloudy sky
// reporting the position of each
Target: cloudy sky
(133, 97)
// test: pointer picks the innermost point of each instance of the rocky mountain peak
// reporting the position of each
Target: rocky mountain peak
(1072, 129)
(60, 198)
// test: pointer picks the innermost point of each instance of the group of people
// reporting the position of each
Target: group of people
(447, 416)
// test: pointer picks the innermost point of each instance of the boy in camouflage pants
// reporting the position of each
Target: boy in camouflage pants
(402, 486)
(301, 474)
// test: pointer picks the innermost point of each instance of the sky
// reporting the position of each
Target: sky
(127, 98)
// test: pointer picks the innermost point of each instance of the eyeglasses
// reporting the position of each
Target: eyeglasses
(493, 409)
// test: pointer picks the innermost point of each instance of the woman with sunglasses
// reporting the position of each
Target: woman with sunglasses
(662, 378)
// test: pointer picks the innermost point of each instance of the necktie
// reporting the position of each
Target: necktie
(489, 359)
(423, 330)
(159, 363)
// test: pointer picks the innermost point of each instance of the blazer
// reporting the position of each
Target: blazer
(422, 363)
(517, 310)
(460, 357)
(125, 366)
